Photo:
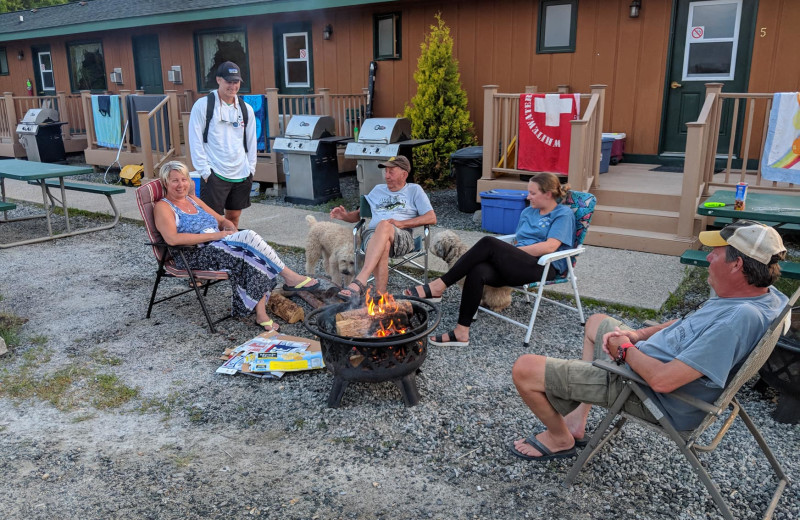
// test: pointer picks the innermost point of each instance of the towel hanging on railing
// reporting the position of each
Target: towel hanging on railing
(545, 129)
(781, 159)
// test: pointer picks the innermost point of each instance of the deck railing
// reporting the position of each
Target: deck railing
(747, 141)
(501, 126)
(13, 109)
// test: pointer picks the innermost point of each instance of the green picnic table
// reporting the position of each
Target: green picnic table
(763, 207)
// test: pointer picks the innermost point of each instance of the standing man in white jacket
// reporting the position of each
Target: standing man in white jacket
(223, 146)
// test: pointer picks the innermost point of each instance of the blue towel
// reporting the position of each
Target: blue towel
(260, 109)
(108, 127)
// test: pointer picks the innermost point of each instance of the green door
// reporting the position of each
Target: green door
(712, 43)
(294, 66)
(147, 64)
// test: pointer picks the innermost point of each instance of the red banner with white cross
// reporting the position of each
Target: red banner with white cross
(545, 130)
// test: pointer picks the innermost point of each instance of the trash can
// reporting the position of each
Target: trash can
(605, 153)
(466, 165)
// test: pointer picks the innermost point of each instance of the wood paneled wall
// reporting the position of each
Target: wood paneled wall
(495, 43)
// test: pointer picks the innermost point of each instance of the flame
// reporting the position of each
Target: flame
(383, 305)
(388, 331)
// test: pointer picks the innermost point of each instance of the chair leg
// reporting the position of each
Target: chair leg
(574, 281)
(159, 274)
(529, 333)
(200, 297)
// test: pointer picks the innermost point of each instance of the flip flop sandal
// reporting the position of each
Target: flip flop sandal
(351, 293)
(439, 341)
(412, 291)
(546, 454)
(302, 285)
(269, 323)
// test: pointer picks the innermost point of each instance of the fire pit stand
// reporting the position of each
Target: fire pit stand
(392, 358)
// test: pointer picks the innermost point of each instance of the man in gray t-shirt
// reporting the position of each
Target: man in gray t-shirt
(696, 354)
(397, 207)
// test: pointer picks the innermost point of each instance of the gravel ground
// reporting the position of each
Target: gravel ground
(195, 444)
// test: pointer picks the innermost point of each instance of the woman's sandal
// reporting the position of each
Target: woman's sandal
(439, 340)
(269, 325)
(412, 291)
(302, 285)
(352, 293)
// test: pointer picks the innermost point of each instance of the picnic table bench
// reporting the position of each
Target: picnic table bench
(7, 206)
(698, 258)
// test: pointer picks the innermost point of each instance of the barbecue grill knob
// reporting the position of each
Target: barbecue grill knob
(364, 150)
(300, 145)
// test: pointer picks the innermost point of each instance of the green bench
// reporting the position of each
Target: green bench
(782, 227)
(698, 258)
(7, 206)
(86, 188)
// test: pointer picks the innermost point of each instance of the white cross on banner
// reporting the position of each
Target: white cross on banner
(545, 130)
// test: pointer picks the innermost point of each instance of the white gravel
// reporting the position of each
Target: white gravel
(235, 447)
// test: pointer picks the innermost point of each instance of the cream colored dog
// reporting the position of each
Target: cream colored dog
(449, 247)
(334, 244)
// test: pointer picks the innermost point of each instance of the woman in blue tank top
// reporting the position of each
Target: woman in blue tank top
(250, 262)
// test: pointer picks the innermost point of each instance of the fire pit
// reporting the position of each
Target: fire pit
(395, 357)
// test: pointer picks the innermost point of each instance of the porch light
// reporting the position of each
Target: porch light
(635, 6)
(20, 55)
(327, 32)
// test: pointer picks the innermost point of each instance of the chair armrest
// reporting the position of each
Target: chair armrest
(558, 255)
(358, 226)
(625, 372)
(507, 238)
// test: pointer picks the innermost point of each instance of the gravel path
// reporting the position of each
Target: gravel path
(195, 444)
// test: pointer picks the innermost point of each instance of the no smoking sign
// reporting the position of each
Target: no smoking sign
(697, 32)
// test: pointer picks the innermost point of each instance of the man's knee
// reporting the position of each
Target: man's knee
(527, 369)
(592, 324)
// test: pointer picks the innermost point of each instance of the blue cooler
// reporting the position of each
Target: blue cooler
(605, 153)
(501, 210)
(196, 178)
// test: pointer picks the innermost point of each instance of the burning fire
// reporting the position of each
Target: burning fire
(385, 304)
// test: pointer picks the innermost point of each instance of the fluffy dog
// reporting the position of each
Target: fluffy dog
(449, 247)
(334, 244)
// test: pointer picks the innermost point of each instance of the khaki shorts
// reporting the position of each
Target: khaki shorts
(568, 383)
(403, 241)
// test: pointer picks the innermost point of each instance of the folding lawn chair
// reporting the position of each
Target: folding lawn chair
(582, 205)
(421, 246)
(146, 197)
(687, 442)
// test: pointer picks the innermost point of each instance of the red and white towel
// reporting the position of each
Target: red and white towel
(545, 130)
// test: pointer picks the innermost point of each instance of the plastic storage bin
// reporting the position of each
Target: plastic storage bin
(196, 178)
(605, 153)
(465, 166)
(618, 147)
(501, 210)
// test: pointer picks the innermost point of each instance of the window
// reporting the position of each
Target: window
(212, 48)
(712, 35)
(557, 22)
(386, 36)
(87, 68)
(3, 62)
(295, 60)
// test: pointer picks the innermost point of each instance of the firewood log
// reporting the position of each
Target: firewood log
(285, 309)
(358, 324)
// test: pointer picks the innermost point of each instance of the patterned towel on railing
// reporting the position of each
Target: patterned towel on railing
(107, 121)
(260, 109)
(545, 131)
(781, 159)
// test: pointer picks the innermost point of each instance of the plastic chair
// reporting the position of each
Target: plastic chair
(422, 245)
(582, 205)
(687, 442)
(146, 197)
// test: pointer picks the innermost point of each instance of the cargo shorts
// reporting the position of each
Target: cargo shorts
(403, 241)
(568, 383)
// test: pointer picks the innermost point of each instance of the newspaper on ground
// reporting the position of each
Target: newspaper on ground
(270, 355)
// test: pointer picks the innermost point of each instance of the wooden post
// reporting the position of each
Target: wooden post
(88, 118)
(187, 147)
(326, 102)
(489, 131)
(62, 111)
(712, 133)
(11, 115)
(600, 90)
(147, 147)
(272, 114)
(692, 176)
(174, 122)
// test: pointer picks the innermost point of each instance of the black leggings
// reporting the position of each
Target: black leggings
(495, 263)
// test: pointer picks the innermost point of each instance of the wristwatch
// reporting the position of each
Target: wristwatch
(622, 352)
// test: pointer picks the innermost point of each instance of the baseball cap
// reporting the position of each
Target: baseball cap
(400, 161)
(751, 238)
(229, 71)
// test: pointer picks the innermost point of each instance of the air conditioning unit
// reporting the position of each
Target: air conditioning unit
(174, 74)
(116, 76)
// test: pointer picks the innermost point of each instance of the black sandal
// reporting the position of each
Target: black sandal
(412, 291)
(353, 294)
(439, 340)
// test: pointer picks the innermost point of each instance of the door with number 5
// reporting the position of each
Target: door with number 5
(712, 43)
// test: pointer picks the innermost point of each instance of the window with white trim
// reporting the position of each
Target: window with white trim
(712, 37)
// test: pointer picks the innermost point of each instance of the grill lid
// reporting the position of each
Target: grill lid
(310, 127)
(40, 115)
(385, 130)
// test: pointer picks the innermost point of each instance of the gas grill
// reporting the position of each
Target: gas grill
(40, 134)
(379, 140)
(309, 159)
